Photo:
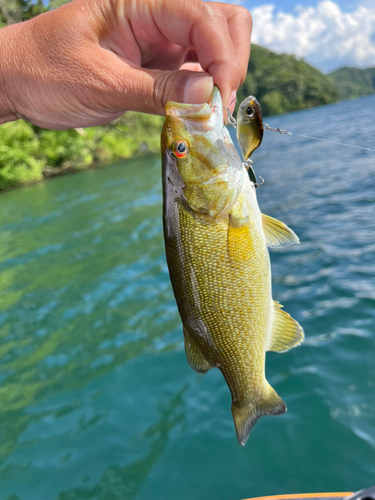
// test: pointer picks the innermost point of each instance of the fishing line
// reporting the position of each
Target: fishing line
(280, 131)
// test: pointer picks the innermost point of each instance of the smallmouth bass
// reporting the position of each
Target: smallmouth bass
(216, 247)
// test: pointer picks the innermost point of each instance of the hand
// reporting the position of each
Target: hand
(88, 62)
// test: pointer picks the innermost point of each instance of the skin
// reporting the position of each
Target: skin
(89, 61)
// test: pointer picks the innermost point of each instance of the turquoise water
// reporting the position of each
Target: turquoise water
(97, 399)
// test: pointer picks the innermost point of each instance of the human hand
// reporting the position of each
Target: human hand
(88, 62)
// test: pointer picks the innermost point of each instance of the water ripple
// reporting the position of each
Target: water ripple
(98, 400)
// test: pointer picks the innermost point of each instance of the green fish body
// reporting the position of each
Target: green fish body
(216, 247)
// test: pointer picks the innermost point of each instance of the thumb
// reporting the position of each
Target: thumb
(189, 87)
(123, 86)
(148, 90)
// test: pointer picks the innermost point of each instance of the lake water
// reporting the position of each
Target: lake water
(97, 399)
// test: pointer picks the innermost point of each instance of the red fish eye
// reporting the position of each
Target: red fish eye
(180, 149)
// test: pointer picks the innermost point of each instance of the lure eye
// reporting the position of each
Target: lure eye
(180, 149)
(249, 111)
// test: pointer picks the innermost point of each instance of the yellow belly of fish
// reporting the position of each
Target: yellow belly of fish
(223, 290)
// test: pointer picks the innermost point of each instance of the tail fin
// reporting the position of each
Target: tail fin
(245, 417)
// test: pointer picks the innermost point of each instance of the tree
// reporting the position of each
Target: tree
(15, 11)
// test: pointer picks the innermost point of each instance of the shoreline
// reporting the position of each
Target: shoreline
(50, 173)
(30, 155)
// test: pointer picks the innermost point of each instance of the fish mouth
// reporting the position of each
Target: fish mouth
(217, 168)
(210, 114)
(205, 121)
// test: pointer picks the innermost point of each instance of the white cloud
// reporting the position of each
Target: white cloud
(323, 35)
(235, 2)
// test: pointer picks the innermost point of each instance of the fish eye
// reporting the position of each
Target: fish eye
(249, 111)
(180, 148)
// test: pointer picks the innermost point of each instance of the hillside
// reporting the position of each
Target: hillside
(283, 83)
(28, 154)
(354, 82)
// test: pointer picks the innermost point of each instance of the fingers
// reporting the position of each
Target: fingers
(191, 56)
(230, 70)
(117, 86)
(172, 57)
(89, 54)
(219, 34)
(240, 27)
(172, 32)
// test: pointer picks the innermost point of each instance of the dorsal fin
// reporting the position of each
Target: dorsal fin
(286, 331)
(277, 233)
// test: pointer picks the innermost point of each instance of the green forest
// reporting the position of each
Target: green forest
(354, 82)
(282, 83)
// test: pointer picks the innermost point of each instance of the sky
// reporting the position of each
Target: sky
(328, 34)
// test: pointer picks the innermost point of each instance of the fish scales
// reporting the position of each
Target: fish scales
(218, 260)
(220, 295)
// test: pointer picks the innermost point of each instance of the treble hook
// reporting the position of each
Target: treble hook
(259, 183)
(248, 164)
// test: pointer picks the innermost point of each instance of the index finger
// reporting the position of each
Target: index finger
(240, 26)
(219, 33)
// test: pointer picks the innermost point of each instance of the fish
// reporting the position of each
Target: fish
(216, 249)
(249, 126)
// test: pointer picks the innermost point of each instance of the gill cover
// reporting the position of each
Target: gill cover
(211, 172)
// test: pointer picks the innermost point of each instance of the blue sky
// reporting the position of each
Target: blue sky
(326, 33)
(289, 5)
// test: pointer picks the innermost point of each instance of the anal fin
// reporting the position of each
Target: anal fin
(245, 416)
(277, 233)
(193, 354)
(286, 331)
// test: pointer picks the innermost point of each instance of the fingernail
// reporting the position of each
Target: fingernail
(198, 89)
(232, 101)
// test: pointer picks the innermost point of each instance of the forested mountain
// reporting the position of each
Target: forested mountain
(283, 83)
(354, 82)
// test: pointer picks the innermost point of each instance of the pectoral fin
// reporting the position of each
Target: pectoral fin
(193, 354)
(286, 332)
(240, 243)
(277, 233)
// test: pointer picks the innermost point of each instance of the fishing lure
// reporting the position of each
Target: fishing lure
(249, 131)
(250, 126)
